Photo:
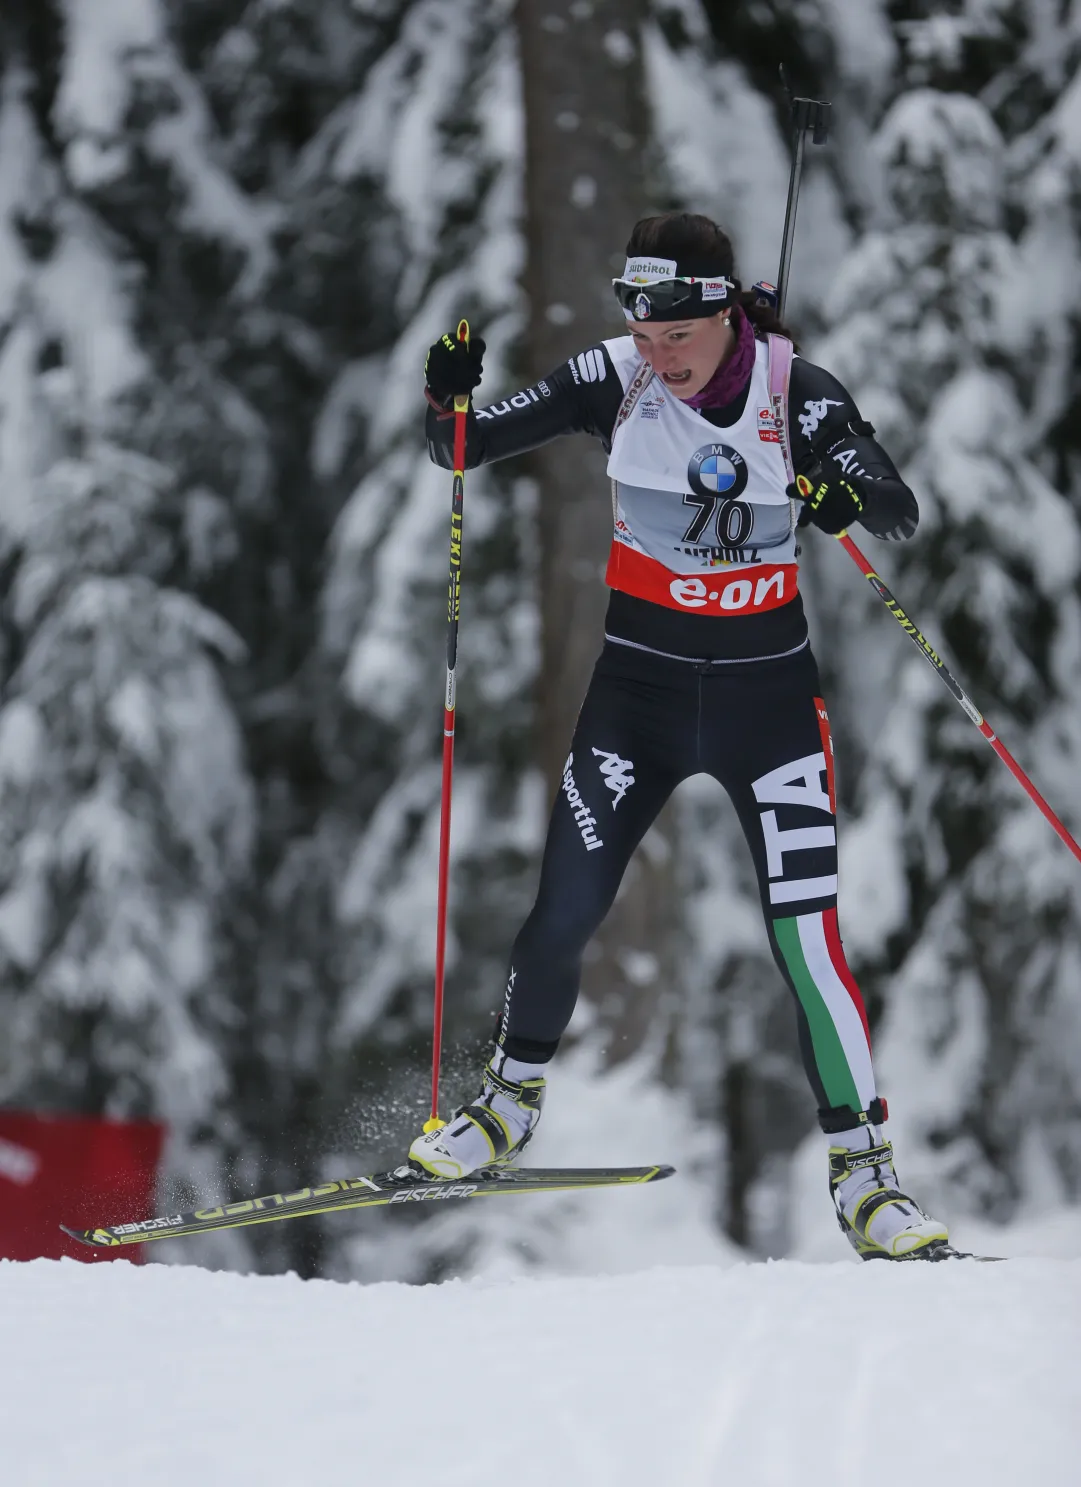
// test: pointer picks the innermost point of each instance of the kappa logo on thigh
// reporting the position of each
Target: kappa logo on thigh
(616, 772)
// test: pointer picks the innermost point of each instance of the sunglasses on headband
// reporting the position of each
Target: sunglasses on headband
(649, 290)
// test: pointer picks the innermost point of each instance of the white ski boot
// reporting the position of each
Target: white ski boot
(878, 1219)
(490, 1131)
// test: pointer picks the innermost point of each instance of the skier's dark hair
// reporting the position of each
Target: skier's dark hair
(700, 248)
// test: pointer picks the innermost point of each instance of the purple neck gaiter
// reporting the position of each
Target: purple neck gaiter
(729, 380)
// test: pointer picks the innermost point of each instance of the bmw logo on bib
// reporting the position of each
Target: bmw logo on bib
(717, 470)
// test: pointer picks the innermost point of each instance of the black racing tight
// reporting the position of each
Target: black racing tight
(646, 724)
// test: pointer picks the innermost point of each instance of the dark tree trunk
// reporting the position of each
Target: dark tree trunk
(586, 138)
(587, 133)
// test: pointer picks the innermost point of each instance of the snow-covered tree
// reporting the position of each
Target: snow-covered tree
(127, 812)
(227, 235)
(952, 317)
(720, 121)
(949, 178)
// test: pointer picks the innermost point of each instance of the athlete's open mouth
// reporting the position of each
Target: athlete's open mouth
(675, 379)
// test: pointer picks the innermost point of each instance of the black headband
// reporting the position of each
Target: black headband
(654, 289)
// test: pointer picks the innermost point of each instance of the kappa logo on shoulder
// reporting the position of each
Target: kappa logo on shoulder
(813, 414)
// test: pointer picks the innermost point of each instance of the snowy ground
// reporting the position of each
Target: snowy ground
(792, 1374)
(647, 1354)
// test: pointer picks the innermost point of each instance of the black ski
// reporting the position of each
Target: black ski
(933, 1252)
(401, 1186)
(947, 1252)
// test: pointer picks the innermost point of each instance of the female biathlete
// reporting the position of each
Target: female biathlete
(706, 667)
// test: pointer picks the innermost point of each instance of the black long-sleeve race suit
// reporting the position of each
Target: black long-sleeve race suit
(675, 694)
(584, 394)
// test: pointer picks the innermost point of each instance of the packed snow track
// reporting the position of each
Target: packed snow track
(762, 1375)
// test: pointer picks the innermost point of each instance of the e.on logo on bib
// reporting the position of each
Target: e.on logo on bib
(751, 588)
(743, 595)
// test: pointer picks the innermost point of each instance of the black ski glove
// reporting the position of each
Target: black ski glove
(831, 499)
(452, 369)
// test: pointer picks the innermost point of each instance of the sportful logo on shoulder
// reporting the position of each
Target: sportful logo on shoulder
(814, 414)
(591, 365)
(616, 774)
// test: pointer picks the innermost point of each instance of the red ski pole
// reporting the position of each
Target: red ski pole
(461, 409)
(931, 655)
(808, 113)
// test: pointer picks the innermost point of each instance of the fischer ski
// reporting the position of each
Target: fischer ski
(933, 1253)
(400, 1186)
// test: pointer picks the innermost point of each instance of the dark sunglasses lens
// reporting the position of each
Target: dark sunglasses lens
(652, 298)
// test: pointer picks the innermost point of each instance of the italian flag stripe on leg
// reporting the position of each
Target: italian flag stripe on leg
(831, 1001)
(837, 956)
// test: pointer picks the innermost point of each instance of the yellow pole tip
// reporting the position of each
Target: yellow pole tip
(435, 1124)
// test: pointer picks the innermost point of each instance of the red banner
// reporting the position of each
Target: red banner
(72, 1169)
